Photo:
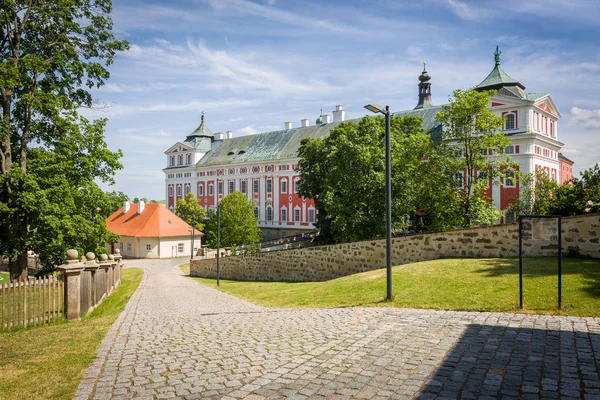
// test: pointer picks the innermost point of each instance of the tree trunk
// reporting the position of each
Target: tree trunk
(18, 267)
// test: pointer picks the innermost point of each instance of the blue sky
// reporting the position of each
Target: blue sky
(252, 65)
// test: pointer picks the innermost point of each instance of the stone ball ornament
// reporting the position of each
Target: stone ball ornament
(72, 254)
(90, 256)
(103, 257)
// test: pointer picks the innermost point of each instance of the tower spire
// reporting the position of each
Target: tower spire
(497, 56)
(424, 89)
(202, 117)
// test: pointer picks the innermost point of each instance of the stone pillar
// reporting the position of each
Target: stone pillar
(92, 266)
(118, 258)
(114, 269)
(71, 270)
(105, 265)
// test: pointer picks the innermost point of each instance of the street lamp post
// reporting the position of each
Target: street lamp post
(376, 108)
(192, 242)
(218, 245)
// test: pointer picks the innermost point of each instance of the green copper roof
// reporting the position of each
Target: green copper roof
(284, 144)
(535, 96)
(497, 78)
(202, 130)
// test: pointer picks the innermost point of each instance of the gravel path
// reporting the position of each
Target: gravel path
(179, 339)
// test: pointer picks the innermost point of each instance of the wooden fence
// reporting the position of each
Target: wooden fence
(79, 288)
(30, 302)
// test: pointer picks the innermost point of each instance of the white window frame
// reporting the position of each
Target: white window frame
(297, 215)
(510, 125)
(148, 247)
(296, 185)
(509, 149)
(188, 188)
(231, 186)
(269, 185)
(188, 158)
(283, 214)
(180, 247)
(201, 189)
(311, 215)
(256, 186)
(178, 190)
(211, 190)
(129, 247)
(220, 187)
(460, 174)
(510, 178)
(170, 190)
(284, 186)
(269, 212)
(243, 186)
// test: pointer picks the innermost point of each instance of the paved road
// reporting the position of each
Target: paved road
(179, 339)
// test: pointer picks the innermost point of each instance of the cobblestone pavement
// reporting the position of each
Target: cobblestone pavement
(179, 339)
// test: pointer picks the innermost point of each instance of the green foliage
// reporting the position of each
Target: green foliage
(474, 132)
(238, 222)
(540, 195)
(573, 252)
(345, 174)
(189, 210)
(52, 53)
(117, 199)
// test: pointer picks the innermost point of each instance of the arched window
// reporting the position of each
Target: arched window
(459, 180)
(180, 159)
(269, 214)
(200, 189)
(179, 190)
(170, 190)
(171, 161)
(510, 122)
(188, 189)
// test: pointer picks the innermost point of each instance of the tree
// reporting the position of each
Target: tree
(189, 210)
(52, 53)
(239, 225)
(474, 133)
(345, 175)
(117, 199)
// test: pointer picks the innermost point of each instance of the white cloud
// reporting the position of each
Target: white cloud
(249, 8)
(587, 119)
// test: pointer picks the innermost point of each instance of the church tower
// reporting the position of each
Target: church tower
(424, 90)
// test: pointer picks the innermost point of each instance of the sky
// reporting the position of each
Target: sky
(252, 65)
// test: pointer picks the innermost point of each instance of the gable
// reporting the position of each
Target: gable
(547, 104)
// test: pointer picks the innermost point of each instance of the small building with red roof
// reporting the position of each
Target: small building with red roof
(151, 231)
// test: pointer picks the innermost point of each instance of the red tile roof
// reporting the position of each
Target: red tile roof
(154, 221)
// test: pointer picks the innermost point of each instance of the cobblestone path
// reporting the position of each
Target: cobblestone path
(179, 339)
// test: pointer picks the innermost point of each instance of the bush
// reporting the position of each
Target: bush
(573, 252)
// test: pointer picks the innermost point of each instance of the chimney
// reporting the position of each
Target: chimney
(326, 118)
(304, 122)
(126, 206)
(339, 114)
(229, 135)
(219, 136)
(288, 125)
(141, 206)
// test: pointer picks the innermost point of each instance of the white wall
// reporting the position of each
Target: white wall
(159, 247)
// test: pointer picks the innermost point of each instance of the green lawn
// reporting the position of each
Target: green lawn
(447, 284)
(48, 362)
(5, 276)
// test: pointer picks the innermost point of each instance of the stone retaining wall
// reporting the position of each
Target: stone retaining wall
(333, 261)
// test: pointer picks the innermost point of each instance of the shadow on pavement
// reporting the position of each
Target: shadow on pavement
(520, 363)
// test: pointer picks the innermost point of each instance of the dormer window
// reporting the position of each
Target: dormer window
(188, 158)
(241, 152)
(171, 161)
(180, 159)
(510, 122)
(231, 153)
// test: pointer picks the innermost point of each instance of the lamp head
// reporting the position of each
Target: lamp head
(375, 108)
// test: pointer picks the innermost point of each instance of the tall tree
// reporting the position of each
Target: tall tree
(345, 174)
(117, 199)
(475, 136)
(189, 210)
(239, 225)
(52, 53)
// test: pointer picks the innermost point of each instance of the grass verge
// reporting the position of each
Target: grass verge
(447, 284)
(48, 362)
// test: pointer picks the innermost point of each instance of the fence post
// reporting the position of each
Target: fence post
(105, 265)
(113, 268)
(92, 266)
(118, 258)
(71, 270)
